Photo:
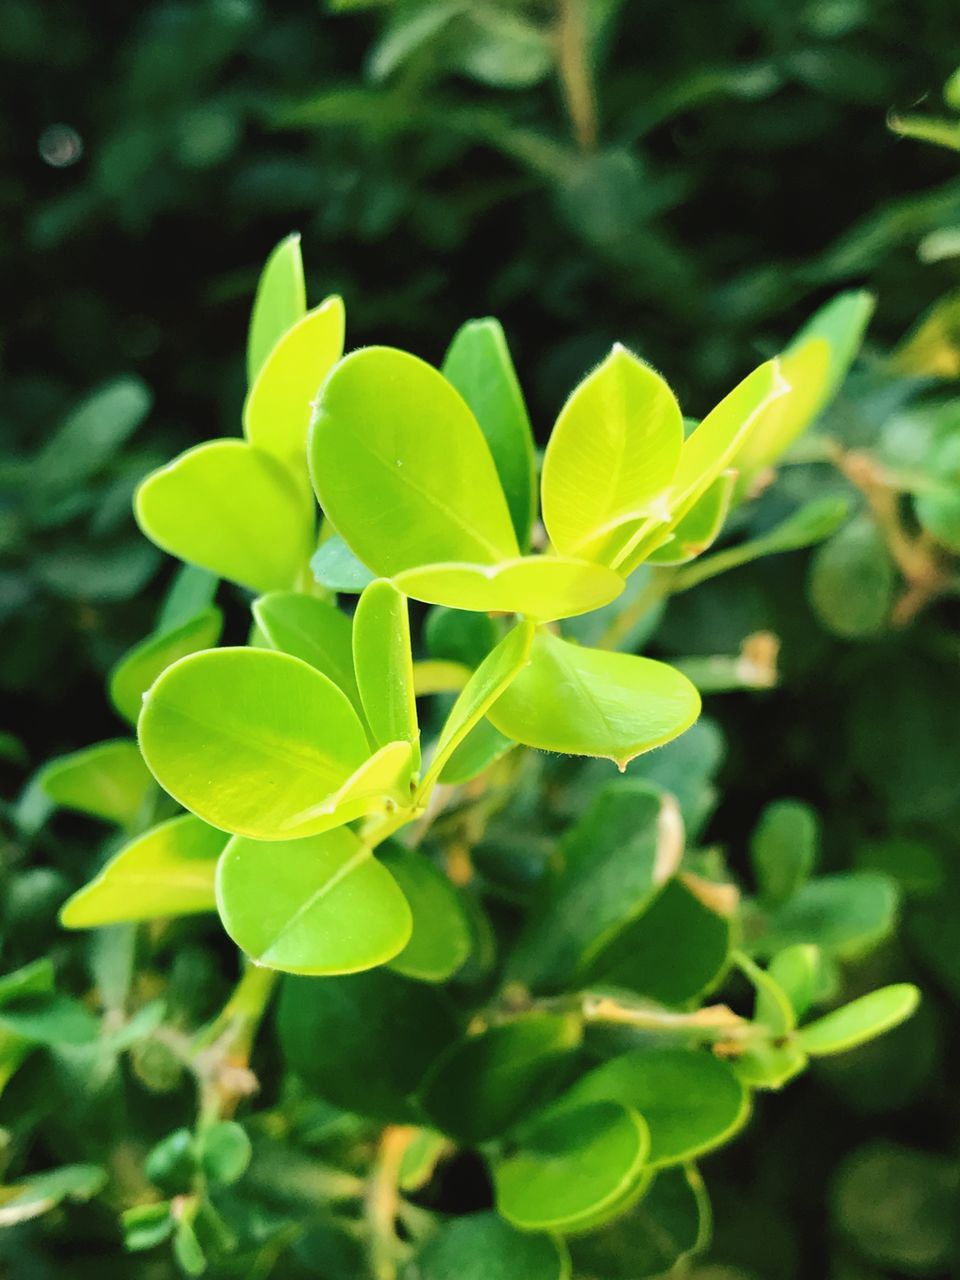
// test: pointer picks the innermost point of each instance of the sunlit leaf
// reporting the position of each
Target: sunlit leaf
(280, 302)
(594, 703)
(314, 630)
(211, 505)
(320, 905)
(168, 871)
(542, 587)
(611, 457)
(402, 468)
(108, 781)
(136, 671)
(700, 527)
(383, 662)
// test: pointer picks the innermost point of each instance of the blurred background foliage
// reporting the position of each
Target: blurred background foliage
(691, 180)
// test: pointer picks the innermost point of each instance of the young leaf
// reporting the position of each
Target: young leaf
(383, 662)
(483, 1085)
(168, 871)
(41, 1192)
(320, 905)
(108, 781)
(483, 746)
(700, 527)
(280, 302)
(611, 457)
(798, 972)
(594, 703)
(481, 1246)
(860, 1020)
(845, 915)
(279, 405)
(783, 849)
(402, 468)
(138, 669)
(364, 1041)
(212, 506)
(481, 691)
(251, 741)
(478, 364)
(606, 872)
(313, 630)
(541, 587)
(441, 937)
(573, 1169)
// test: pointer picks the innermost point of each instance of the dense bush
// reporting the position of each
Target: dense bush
(633, 180)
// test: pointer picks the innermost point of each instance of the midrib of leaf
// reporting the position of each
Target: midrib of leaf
(346, 868)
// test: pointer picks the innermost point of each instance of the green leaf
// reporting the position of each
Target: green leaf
(108, 781)
(402, 469)
(441, 939)
(383, 662)
(139, 667)
(700, 527)
(853, 581)
(364, 1041)
(846, 915)
(605, 874)
(335, 567)
(611, 457)
(485, 1084)
(91, 436)
(645, 958)
(454, 636)
(769, 1065)
(942, 131)
(191, 590)
(279, 405)
(481, 1246)
(313, 630)
(541, 587)
(478, 364)
(594, 703)
(53, 1019)
(34, 979)
(481, 691)
(481, 748)
(860, 1020)
(280, 302)
(224, 1153)
(814, 364)
(320, 905)
(709, 450)
(692, 1102)
(168, 871)
(252, 741)
(212, 505)
(573, 1169)
(42, 1192)
(798, 972)
(783, 849)
(669, 1226)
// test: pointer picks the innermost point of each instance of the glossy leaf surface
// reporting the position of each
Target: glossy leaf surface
(321, 905)
(313, 630)
(136, 671)
(280, 301)
(168, 871)
(383, 662)
(402, 469)
(594, 703)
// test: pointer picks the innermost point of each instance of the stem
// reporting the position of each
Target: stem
(383, 1201)
(221, 1052)
(573, 68)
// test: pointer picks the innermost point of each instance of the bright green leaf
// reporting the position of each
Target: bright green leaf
(700, 527)
(383, 662)
(212, 505)
(168, 871)
(572, 1168)
(280, 302)
(313, 630)
(108, 781)
(252, 741)
(860, 1020)
(138, 669)
(478, 364)
(798, 972)
(320, 905)
(594, 703)
(611, 457)
(279, 405)
(402, 468)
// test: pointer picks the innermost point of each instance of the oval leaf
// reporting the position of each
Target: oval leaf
(594, 703)
(383, 662)
(402, 468)
(137, 670)
(860, 1020)
(315, 631)
(321, 905)
(441, 937)
(211, 505)
(168, 871)
(248, 739)
(541, 587)
(108, 781)
(280, 302)
(277, 412)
